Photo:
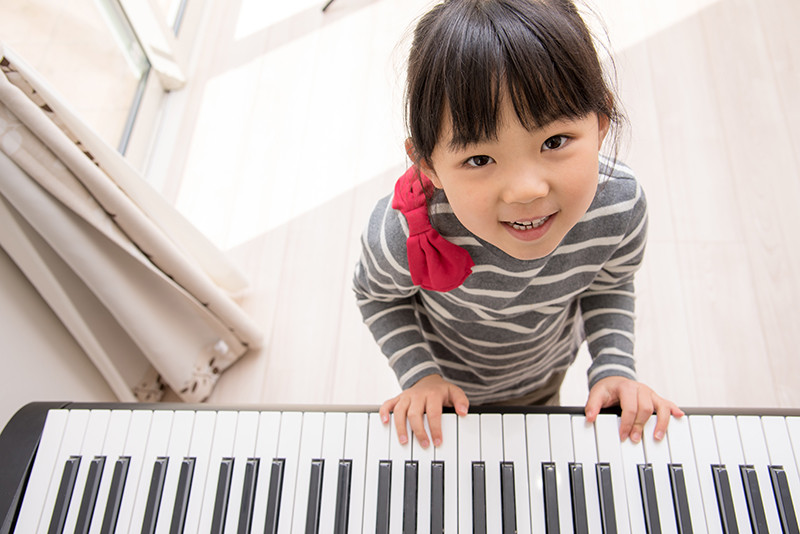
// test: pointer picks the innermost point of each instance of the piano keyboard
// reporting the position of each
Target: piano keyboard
(125, 468)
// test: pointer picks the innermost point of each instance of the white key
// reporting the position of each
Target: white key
(71, 441)
(657, 454)
(221, 447)
(92, 446)
(177, 448)
(755, 453)
(289, 449)
(244, 446)
(585, 447)
(469, 450)
(157, 441)
(793, 426)
(562, 454)
(538, 437)
(42, 472)
(310, 449)
(333, 437)
(492, 456)
(681, 451)
(706, 455)
(135, 445)
(779, 445)
(112, 449)
(730, 455)
(377, 450)
(398, 453)
(355, 449)
(447, 452)
(515, 450)
(608, 451)
(269, 425)
(632, 457)
(205, 423)
(423, 457)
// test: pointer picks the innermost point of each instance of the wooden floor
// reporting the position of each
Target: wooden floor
(291, 128)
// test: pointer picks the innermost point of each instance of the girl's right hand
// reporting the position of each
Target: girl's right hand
(427, 396)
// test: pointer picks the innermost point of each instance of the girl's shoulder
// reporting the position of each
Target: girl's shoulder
(617, 183)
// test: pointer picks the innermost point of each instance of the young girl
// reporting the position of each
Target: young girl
(510, 240)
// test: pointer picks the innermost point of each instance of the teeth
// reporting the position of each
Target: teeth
(530, 224)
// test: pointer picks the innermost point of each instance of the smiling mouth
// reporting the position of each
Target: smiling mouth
(528, 225)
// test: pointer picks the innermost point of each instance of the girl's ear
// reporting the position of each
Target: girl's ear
(603, 125)
(420, 164)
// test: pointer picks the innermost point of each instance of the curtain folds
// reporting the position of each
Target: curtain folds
(148, 298)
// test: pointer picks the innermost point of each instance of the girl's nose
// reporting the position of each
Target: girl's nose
(525, 186)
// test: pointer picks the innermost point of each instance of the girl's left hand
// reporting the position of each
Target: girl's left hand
(637, 403)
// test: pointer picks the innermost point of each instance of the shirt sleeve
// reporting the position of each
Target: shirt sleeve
(607, 306)
(387, 298)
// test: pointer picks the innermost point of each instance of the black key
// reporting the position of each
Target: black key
(384, 497)
(783, 498)
(314, 496)
(605, 492)
(248, 495)
(410, 497)
(154, 495)
(115, 495)
(86, 511)
(478, 498)
(182, 495)
(647, 486)
(437, 497)
(755, 506)
(508, 498)
(550, 487)
(680, 499)
(64, 495)
(342, 516)
(580, 523)
(724, 499)
(274, 495)
(223, 493)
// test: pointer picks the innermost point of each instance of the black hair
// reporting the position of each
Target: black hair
(466, 55)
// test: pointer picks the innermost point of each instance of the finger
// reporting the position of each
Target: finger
(459, 400)
(643, 412)
(434, 411)
(417, 422)
(400, 426)
(594, 404)
(628, 404)
(386, 409)
(662, 413)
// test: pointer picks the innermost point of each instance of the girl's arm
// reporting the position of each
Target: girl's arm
(607, 308)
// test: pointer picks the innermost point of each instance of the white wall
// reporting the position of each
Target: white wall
(40, 360)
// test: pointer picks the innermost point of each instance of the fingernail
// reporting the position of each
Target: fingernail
(385, 419)
(424, 443)
(437, 442)
(402, 439)
(635, 437)
(659, 435)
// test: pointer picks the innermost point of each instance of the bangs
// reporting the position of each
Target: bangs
(480, 52)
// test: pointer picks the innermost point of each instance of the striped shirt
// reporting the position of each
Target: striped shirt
(513, 323)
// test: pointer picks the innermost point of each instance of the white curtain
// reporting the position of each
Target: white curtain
(148, 298)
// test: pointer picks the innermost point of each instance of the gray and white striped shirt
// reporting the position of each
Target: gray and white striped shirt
(513, 323)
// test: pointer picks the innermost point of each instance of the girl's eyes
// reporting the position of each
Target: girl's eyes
(552, 143)
(555, 142)
(479, 161)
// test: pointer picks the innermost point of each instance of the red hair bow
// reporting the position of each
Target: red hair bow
(435, 263)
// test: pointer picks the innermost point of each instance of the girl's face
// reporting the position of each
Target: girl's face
(523, 191)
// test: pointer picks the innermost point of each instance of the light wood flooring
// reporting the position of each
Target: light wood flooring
(291, 128)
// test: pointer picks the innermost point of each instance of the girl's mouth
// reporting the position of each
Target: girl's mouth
(530, 230)
(528, 225)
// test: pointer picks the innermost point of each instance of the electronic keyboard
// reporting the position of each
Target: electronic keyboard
(103, 468)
